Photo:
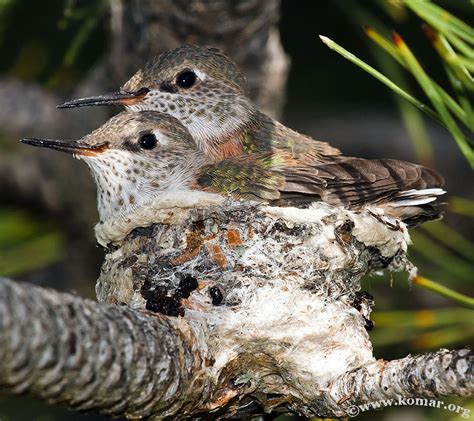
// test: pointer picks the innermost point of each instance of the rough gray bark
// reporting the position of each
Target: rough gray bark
(263, 313)
(65, 349)
(432, 375)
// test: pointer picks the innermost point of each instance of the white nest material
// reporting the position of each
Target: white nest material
(170, 208)
(371, 227)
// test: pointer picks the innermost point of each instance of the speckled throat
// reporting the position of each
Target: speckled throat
(217, 122)
(128, 182)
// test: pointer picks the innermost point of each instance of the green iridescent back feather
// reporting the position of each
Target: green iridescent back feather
(249, 177)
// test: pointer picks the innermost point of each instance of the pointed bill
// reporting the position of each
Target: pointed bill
(76, 147)
(112, 98)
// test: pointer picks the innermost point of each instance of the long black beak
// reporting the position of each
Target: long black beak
(113, 98)
(72, 146)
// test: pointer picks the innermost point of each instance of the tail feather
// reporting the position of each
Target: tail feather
(416, 197)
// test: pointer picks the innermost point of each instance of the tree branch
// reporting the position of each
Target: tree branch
(27, 108)
(112, 359)
(102, 357)
(432, 375)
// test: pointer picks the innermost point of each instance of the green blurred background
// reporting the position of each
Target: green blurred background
(55, 43)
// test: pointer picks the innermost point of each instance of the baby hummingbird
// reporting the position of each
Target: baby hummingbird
(206, 91)
(136, 157)
(133, 158)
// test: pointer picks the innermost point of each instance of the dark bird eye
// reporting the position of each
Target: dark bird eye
(186, 79)
(148, 141)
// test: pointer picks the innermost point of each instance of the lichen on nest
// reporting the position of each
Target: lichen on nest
(238, 246)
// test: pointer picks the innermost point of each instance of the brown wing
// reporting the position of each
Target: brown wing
(267, 135)
(354, 181)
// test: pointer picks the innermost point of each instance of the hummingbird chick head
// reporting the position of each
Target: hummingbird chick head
(199, 85)
(134, 158)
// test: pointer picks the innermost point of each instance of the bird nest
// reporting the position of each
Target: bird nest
(277, 289)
